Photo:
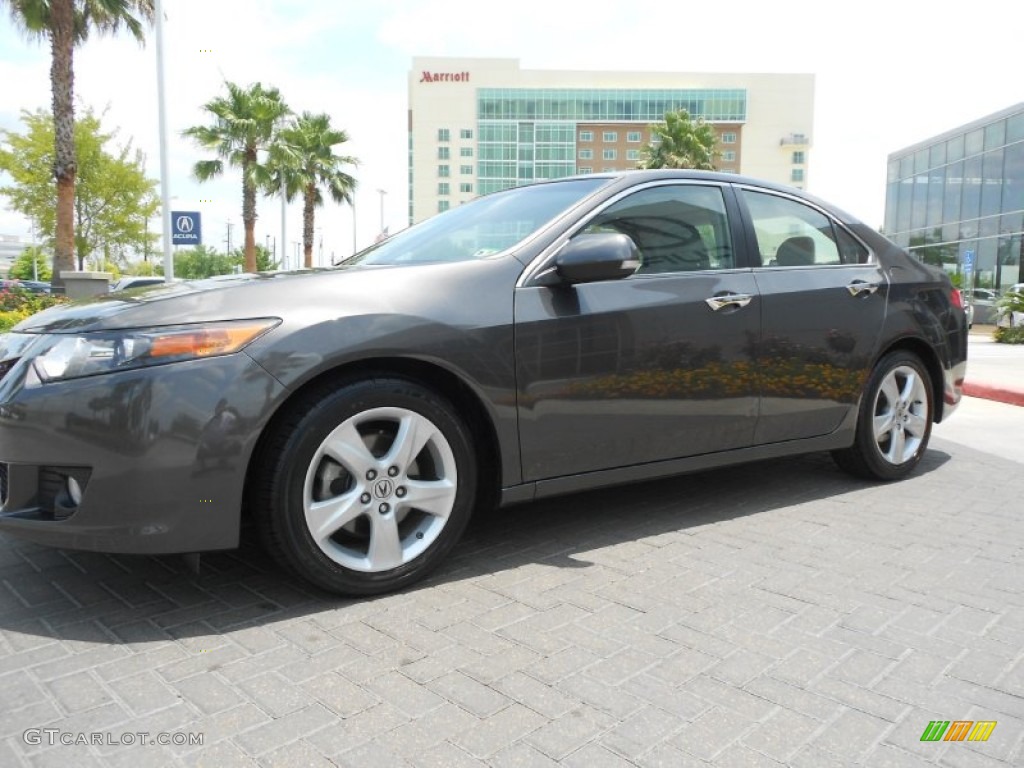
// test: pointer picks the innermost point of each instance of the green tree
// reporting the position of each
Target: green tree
(265, 261)
(202, 261)
(243, 126)
(113, 199)
(65, 24)
(22, 268)
(681, 143)
(302, 160)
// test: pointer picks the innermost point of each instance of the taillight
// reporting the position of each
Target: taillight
(957, 298)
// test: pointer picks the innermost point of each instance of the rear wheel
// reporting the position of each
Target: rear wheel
(365, 488)
(895, 420)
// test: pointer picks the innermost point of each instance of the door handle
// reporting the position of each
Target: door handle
(729, 300)
(857, 287)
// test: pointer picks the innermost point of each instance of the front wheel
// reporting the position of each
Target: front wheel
(364, 488)
(894, 422)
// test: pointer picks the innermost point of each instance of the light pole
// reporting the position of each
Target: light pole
(165, 187)
(381, 192)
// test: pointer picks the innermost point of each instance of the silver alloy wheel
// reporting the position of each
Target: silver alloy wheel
(379, 489)
(901, 414)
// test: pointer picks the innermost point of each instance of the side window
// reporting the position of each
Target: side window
(850, 249)
(791, 234)
(677, 228)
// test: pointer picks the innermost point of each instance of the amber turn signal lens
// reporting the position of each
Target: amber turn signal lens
(209, 340)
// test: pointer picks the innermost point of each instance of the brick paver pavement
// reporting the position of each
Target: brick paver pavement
(767, 615)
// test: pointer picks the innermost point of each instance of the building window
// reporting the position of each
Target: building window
(465, 187)
(797, 174)
(586, 135)
(442, 153)
(585, 169)
(798, 157)
(466, 133)
(609, 154)
(632, 154)
(466, 170)
(586, 154)
(607, 170)
(633, 137)
(442, 206)
(443, 171)
(443, 134)
(610, 136)
(729, 156)
(729, 138)
(466, 152)
(442, 188)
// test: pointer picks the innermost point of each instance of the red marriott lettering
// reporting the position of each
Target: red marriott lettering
(445, 77)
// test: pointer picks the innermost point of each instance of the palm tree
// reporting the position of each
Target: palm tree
(681, 143)
(244, 125)
(302, 161)
(67, 23)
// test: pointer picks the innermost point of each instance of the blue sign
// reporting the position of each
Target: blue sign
(968, 261)
(185, 228)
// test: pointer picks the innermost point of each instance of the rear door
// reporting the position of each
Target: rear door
(824, 298)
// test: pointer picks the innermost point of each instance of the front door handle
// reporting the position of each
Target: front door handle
(729, 300)
(857, 287)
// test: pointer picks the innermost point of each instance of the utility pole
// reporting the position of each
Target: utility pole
(229, 237)
(381, 192)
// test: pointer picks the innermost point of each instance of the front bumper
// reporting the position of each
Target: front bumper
(159, 455)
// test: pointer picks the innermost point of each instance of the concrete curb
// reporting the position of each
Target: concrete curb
(988, 392)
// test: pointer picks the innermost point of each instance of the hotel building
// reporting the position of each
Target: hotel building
(480, 125)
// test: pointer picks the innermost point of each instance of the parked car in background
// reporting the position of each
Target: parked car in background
(983, 302)
(32, 286)
(968, 308)
(541, 340)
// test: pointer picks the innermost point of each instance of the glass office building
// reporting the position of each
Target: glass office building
(960, 195)
(481, 125)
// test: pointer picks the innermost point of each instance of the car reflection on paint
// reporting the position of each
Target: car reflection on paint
(541, 340)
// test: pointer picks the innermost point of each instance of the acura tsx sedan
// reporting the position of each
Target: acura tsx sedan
(541, 340)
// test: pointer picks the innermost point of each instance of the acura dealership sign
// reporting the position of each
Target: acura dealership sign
(185, 228)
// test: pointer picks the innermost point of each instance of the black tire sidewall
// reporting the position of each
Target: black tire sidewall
(866, 443)
(287, 514)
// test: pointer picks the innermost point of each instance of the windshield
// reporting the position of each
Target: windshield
(481, 227)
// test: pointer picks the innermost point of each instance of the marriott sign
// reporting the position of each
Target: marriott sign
(445, 77)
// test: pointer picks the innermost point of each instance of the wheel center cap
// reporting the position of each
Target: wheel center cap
(383, 488)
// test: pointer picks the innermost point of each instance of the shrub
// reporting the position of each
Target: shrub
(1009, 335)
(17, 304)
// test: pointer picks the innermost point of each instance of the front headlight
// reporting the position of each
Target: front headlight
(87, 354)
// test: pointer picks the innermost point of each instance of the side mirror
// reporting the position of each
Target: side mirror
(597, 256)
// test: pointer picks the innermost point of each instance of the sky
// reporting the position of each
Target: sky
(888, 75)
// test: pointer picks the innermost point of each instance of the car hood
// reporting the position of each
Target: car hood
(344, 291)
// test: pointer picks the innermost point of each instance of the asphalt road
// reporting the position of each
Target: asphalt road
(774, 614)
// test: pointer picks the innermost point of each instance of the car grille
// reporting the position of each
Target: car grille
(3, 484)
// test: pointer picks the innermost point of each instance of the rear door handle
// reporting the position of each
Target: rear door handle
(857, 287)
(729, 300)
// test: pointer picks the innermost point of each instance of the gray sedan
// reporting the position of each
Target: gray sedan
(542, 340)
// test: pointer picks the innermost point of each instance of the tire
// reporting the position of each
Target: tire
(364, 488)
(894, 422)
